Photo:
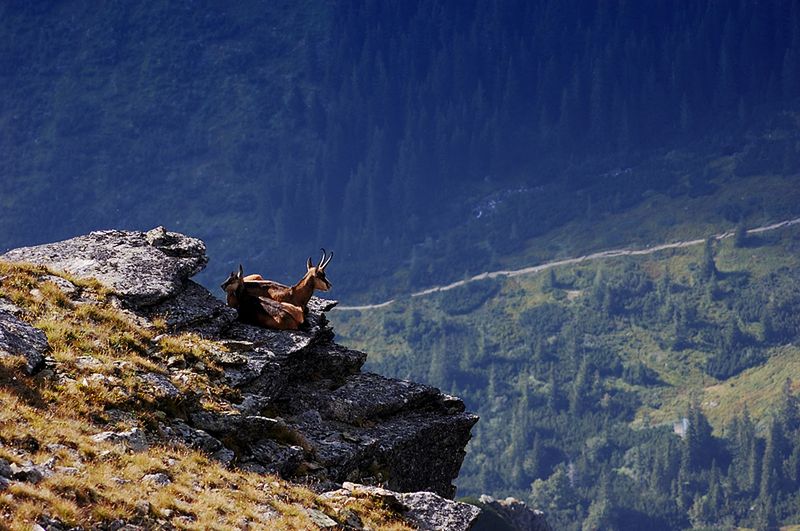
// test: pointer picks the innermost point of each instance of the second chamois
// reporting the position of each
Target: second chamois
(273, 305)
(259, 310)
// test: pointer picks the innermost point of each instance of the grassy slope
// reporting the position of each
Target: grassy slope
(67, 408)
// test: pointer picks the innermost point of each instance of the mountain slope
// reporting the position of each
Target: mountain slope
(271, 129)
(140, 399)
(582, 370)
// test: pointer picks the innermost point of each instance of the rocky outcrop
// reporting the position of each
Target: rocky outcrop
(425, 510)
(305, 410)
(511, 514)
(18, 338)
(142, 267)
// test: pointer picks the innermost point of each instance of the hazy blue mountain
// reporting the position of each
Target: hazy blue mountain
(271, 129)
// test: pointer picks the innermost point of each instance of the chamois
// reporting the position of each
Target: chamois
(254, 308)
(300, 293)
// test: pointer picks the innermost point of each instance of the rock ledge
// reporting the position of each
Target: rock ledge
(306, 412)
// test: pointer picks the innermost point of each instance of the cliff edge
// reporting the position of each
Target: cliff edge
(292, 404)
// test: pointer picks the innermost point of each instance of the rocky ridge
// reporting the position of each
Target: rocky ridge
(302, 408)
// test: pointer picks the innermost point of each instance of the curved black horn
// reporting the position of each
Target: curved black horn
(321, 263)
(327, 261)
(241, 271)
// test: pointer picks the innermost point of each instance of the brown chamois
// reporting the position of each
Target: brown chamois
(257, 309)
(300, 293)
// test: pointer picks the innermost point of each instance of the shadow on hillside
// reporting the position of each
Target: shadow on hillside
(13, 380)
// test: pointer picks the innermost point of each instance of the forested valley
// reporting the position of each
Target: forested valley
(658, 392)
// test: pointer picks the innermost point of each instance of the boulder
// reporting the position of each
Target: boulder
(426, 511)
(514, 514)
(143, 268)
(194, 309)
(18, 338)
(133, 439)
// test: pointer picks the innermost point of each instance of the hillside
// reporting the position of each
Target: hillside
(581, 370)
(131, 396)
(273, 128)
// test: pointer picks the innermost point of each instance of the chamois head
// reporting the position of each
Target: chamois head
(317, 273)
(234, 281)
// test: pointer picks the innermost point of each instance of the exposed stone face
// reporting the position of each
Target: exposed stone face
(18, 338)
(141, 267)
(513, 512)
(425, 510)
(306, 410)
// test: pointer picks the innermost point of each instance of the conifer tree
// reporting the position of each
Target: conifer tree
(708, 268)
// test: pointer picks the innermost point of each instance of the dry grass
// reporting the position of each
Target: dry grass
(100, 353)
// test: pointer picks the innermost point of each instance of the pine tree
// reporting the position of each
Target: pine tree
(708, 268)
(771, 461)
(552, 389)
(580, 387)
(765, 518)
(789, 410)
(697, 440)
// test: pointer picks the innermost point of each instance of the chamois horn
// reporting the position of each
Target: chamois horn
(325, 260)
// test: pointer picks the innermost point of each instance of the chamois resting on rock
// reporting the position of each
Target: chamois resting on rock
(256, 309)
(300, 293)
(271, 304)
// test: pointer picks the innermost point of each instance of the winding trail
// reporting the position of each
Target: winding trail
(567, 261)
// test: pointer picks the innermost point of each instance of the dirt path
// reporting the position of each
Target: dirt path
(567, 261)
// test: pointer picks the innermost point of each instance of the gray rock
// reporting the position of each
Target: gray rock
(30, 473)
(412, 434)
(9, 307)
(412, 451)
(5, 468)
(160, 386)
(181, 433)
(425, 510)
(133, 439)
(277, 457)
(515, 512)
(245, 428)
(261, 374)
(252, 404)
(344, 425)
(321, 519)
(66, 287)
(194, 309)
(142, 268)
(87, 362)
(265, 340)
(224, 456)
(429, 511)
(158, 478)
(18, 338)
(370, 396)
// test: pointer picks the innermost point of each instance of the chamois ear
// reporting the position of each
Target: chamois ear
(241, 271)
(309, 265)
